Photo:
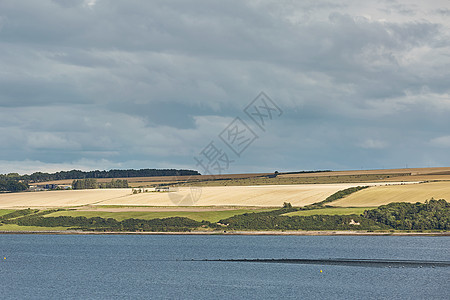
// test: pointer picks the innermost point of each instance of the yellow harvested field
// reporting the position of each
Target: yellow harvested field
(430, 177)
(380, 195)
(60, 198)
(264, 196)
(412, 171)
(261, 196)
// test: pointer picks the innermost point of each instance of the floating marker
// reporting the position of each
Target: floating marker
(320, 271)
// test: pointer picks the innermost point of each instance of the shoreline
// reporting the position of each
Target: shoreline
(250, 233)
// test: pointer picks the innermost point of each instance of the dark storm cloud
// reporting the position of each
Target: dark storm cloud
(149, 83)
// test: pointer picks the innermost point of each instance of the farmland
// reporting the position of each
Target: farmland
(59, 198)
(17, 228)
(294, 180)
(330, 211)
(380, 195)
(157, 180)
(5, 211)
(313, 177)
(215, 196)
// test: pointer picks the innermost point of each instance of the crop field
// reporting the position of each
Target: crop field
(59, 198)
(380, 195)
(156, 180)
(330, 211)
(250, 190)
(14, 227)
(5, 211)
(411, 171)
(260, 196)
(211, 215)
(310, 179)
(352, 176)
(419, 177)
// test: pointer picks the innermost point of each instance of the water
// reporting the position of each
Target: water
(144, 267)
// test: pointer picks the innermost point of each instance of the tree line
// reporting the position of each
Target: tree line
(173, 224)
(341, 194)
(12, 185)
(91, 183)
(433, 214)
(276, 220)
(115, 173)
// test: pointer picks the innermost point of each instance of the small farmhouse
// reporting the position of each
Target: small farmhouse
(162, 189)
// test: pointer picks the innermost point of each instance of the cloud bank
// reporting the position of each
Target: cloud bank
(148, 84)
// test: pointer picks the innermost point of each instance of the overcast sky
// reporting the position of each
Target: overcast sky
(101, 84)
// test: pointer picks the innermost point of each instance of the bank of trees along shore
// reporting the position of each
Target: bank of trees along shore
(34, 218)
(431, 215)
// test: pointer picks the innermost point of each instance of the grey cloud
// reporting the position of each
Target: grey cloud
(125, 81)
(443, 11)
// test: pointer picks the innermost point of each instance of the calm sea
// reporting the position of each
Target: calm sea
(151, 267)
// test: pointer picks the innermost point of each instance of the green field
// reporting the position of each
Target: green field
(211, 216)
(330, 211)
(281, 180)
(15, 227)
(6, 211)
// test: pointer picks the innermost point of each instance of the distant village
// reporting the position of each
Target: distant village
(47, 187)
(51, 187)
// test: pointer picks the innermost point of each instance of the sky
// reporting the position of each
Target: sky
(118, 84)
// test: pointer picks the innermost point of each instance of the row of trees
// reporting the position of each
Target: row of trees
(114, 184)
(341, 194)
(110, 224)
(77, 174)
(12, 185)
(433, 214)
(91, 183)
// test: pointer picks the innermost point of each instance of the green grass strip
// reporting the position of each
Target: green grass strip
(211, 216)
(332, 211)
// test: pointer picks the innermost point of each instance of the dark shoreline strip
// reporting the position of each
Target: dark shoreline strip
(380, 263)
